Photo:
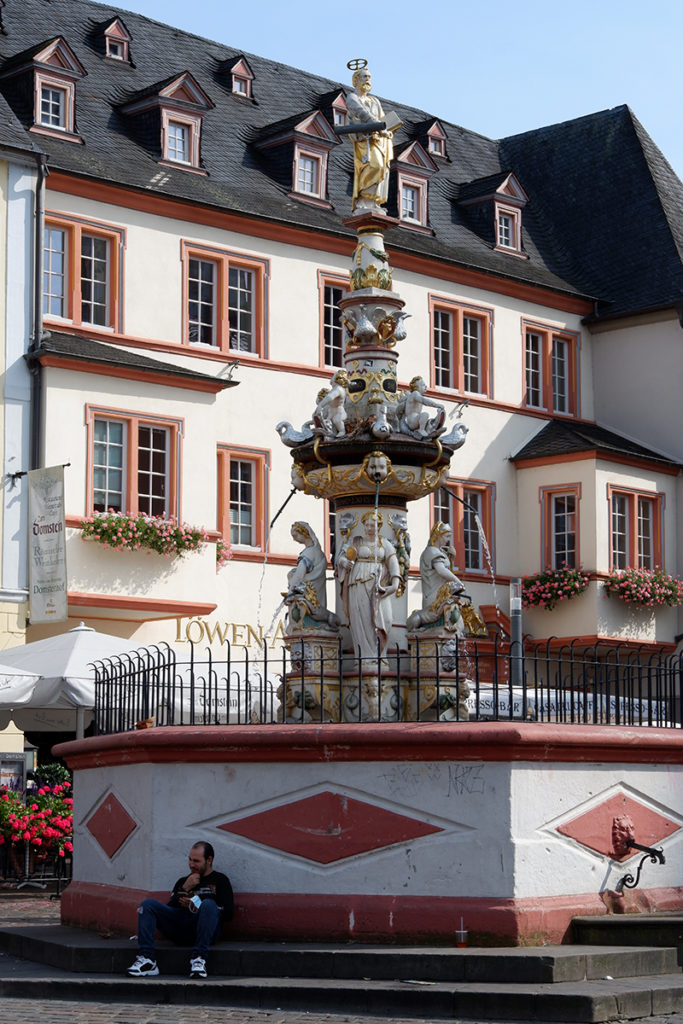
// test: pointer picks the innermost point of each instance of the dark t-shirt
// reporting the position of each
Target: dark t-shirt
(214, 886)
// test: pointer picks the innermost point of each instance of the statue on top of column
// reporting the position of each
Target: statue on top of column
(372, 151)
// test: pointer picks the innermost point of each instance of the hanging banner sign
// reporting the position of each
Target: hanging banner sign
(47, 545)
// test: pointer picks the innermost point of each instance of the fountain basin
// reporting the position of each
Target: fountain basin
(386, 832)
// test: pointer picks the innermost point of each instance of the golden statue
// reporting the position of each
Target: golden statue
(372, 151)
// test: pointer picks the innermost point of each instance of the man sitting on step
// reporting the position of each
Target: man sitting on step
(193, 916)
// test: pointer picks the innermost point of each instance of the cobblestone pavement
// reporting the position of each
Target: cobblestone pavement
(29, 909)
(23, 1011)
(26, 1011)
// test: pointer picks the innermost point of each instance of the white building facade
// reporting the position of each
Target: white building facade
(193, 257)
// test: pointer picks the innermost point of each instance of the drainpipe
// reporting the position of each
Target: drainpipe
(33, 363)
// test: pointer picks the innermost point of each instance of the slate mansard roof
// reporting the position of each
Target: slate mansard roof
(604, 218)
(564, 437)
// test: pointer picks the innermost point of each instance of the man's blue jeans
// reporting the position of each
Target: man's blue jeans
(179, 925)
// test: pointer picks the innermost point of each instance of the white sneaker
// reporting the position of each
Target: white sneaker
(197, 967)
(143, 968)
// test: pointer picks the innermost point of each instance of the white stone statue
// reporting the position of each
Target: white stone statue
(329, 417)
(370, 575)
(416, 418)
(441, 588)
(306, 596)
(372, 152)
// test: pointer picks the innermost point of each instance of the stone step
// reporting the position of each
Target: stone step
(587, 1002)
(631, 930)
(80, 951)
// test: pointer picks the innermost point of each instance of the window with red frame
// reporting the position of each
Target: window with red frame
(224, 300)
(461, 341)
(550, 370)
(635, 529)
(82, 272)
(332, 290)
(133, 463)
(242, 497)
(560, 529)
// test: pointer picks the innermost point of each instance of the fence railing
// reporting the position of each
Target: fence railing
(466, 681)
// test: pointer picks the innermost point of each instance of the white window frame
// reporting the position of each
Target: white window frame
(95, 293)
(178, 142)
(48, 92)
(109, 468)
(204, 321)
(410, 202)
(308, 174)
(52, 295)
(508, 229)
(563, 524)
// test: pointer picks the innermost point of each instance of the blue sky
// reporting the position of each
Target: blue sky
(498, 68)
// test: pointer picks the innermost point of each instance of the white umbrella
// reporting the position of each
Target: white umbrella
(55, 681)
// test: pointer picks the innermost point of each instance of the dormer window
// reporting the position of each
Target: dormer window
(242, 78)
(52, 69)
(508, 228)
(180, 138)
(181, 104)
(301, 146)
(495, 206)
(436, 140)
(117, 40)
(340, 114)
(414, 167)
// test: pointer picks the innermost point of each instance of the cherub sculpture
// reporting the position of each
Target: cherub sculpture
(329, 417)
(416, 418)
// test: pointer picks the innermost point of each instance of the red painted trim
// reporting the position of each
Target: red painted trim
(332, 280)
(494, 617)
(545, 499)
(179, 210)
(171, 609)
(548, 333)
(176, 428)
(133, 373)
(74, 227)
(626, 460)
(369, 918)
(484, 315)
(261, 459)
(405, 741)
(593, 640)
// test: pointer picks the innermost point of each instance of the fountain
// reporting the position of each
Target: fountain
(370, 448)
(390, 831)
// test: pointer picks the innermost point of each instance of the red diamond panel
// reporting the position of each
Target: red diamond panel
(328, 827)
(110, 825)
(594, 828)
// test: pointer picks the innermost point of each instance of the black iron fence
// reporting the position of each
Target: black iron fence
(461, 681)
